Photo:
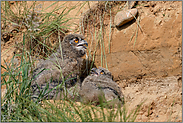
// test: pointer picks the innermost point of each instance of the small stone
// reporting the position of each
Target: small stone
(3, 92)
(169, 9)
(165, 97)
(123, 17)
(159, 22)
(11, 2)
(146, 5)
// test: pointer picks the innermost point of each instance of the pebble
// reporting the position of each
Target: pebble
(3, 92)
(123, 17)
(169, 9)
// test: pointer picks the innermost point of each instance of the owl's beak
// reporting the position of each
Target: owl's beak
(83, 43)
(93, 71)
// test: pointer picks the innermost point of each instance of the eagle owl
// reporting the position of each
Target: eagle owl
(61, 69)
(99, 85)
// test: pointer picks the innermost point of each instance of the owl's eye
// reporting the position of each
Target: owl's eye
(102, 72)
(76, 40)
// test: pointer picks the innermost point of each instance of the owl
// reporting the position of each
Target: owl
(61, 71)
(99, 86)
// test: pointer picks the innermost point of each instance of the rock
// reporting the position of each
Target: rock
(3, 92)
(123, 17)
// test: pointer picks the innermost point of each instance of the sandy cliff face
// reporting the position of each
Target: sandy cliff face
(157, 55)
(158, 48)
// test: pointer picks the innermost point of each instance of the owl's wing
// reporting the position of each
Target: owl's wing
(51, 74)
(89, 93)
(92, 87)
(109, 83)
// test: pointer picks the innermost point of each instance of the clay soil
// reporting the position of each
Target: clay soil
(147, 67)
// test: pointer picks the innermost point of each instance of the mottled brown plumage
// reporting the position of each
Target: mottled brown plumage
(58, 68)
(99, 84)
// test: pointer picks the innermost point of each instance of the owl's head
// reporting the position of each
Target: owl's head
(77, 44)
(102, 72)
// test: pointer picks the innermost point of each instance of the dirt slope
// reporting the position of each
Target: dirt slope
(157, 55)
